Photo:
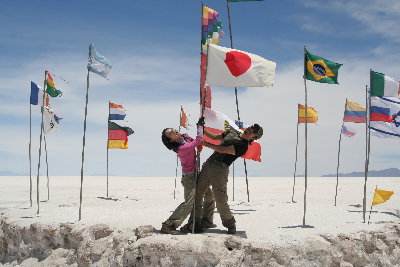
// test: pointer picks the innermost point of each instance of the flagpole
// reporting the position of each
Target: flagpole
(370, 211)
(237, 102)
(368, 153)
(40, 142)
(30, 155)
(233, 181)
(295, 163)
(108, 137)
(305, 150)
(338, 156)
(47, 165)
(177, 158)
(84, 135)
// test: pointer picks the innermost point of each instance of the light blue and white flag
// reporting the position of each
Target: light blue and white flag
(389, 128)
(98, 63)
(348, 131)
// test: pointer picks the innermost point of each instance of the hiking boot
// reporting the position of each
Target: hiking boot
(168, 229)
(232, 230)
(205, 223)
(187, 228)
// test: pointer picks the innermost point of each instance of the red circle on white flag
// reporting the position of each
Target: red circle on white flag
(237, 62)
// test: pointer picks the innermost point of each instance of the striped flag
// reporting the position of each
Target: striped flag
(118, 136)
(37, 95)
(348, 131)
(383, 85)
(355, 113)
(312, 115)
(117, 112)
(385, 117)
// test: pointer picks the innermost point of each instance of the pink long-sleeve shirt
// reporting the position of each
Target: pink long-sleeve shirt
(187, 152)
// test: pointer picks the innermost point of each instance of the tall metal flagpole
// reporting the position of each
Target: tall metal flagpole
(237, 102)
(338, 155)
(108, 137)
(367, 146)
(305, 146)
(30, 155)
(40, 142)
(297, 144)
(47, 169)
(83, 146)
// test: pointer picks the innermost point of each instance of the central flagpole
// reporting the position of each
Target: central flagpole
(40, 142)
(47, 169)
(108, 137)
(297, 144)
(84, 135)
(367, 145)
(30, 155)
(338, 155)
(305, 147)
(237, 102)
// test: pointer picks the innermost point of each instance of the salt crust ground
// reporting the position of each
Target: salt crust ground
(123, 229)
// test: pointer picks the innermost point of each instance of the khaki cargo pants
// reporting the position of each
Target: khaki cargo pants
(186, 207)
(215, 174)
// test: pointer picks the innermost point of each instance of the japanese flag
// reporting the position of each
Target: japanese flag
(230, 68)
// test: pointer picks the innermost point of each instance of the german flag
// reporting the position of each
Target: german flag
(118, 136)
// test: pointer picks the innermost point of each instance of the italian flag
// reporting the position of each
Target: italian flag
(383, 85)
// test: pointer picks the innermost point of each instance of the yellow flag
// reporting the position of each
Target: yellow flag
(312, 115)
(381, 196)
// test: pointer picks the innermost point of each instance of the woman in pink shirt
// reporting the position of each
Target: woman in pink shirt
(185, 147)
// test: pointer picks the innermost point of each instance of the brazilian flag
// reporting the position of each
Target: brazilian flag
(319, 69)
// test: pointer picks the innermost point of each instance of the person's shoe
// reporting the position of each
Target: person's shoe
(232, 230)
(205, 223)
(187, 228)
(168, 229)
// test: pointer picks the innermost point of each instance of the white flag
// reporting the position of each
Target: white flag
(50, 120)
(228, 67)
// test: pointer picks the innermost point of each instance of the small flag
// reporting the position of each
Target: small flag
(348, 131)
(216, 122)
(355, 113)
(228, 67)
(118, 136)
(381, 196)
(184, 122)
(319, 69)
(50, 120)
(51, 86)
(241, 125)
(312, 115)
(117, 112)
(385, 117)
(383, 85)
(98, 63)
(211, 28)
(37, 95)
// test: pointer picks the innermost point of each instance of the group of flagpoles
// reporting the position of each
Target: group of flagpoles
(237, 102)
(83, 140)
(338, 156)
(108, 137)
(305, 147)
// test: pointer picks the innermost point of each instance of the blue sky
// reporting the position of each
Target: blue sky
(154, 48)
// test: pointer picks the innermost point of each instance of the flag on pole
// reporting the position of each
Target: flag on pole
(319, 69)
(205, 90)
(355, 113)
(118, 135)
(211, 28)
(312, 115)
(51, 86)
(184, 119)
(228, 67)
(385, 117)
(381, 196)
(98, 63)
(50, 120)
(383, 85)
(216, 122)
(348, 131)
(37, 95)
(117, 112)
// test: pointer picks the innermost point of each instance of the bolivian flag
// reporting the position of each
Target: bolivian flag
(319, 69)
(118, 136)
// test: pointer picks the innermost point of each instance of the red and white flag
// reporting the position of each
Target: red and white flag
(228, 67)
(216, 122)
(184, 119)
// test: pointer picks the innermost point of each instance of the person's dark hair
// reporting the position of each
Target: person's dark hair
(170, 145)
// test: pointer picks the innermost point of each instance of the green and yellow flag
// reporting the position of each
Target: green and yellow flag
(319, 69)
(51, 86)
(381, 196)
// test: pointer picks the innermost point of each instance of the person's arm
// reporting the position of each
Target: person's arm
(220, 149)
(213, 136)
